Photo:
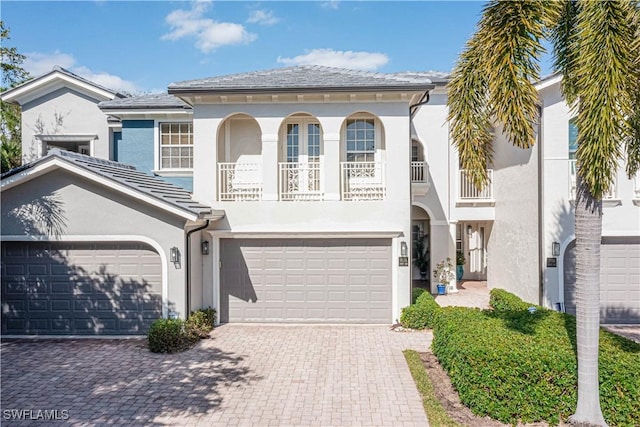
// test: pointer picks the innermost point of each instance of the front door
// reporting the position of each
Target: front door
(475, 251)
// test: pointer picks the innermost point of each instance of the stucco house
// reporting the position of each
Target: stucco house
(303, 191)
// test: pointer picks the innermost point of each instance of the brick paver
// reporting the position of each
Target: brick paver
(262, 375)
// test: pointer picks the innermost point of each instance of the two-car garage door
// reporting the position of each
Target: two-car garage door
(619, 280)
(305, 280)
(79, 288)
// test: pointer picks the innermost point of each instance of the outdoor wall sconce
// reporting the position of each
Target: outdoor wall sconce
(205, 247)
(174, 254)
(555, 249)
(404, 251)
(469, 230)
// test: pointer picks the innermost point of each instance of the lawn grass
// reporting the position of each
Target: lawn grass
(436, 414)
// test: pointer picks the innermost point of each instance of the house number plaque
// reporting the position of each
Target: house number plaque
(403, 261)
(552, 262)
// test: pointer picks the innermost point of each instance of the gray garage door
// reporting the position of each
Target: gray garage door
(313, 280)
(619, 280)
(79, 288)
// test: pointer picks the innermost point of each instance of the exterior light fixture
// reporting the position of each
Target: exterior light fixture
(174, 254)
(555, 249)
(205, 247)
(404, 251)
(469, 230)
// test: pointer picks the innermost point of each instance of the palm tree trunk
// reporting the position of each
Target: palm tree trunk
(588, 238)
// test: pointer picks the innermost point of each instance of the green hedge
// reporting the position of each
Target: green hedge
(515, 366)
(201, 322)
(421, 314)
(499, 299)
(415, 293)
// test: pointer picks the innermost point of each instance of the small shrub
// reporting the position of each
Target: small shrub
(501, 300)
(421, 314)
(201, 322)
(169, 336)
(416, 293)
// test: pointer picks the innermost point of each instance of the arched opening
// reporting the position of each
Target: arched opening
(421, 248)
(239, 159)
(300, 153)
(362, 154)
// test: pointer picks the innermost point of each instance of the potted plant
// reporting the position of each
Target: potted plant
(421, 257)
(459, 265)
(444, 274)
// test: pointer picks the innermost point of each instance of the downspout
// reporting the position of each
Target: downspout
(541, 264)
(188, 264)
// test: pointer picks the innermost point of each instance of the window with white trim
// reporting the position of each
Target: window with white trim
(361, 140)
(176, 146)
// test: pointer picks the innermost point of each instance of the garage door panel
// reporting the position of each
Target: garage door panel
(313, 280)
(80, 288)
(619, 280)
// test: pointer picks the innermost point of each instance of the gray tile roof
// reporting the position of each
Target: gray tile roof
(436, 77)
(312, 77)
(128, 176)
(149, 101)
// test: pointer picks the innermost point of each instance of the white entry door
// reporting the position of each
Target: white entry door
(475, 253)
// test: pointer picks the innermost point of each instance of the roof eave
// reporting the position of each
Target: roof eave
(176, 90)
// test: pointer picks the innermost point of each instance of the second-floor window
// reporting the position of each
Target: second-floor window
(573, 139)
(176, 145)
(361, 140)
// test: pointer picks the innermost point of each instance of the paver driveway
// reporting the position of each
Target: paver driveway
(260, 375)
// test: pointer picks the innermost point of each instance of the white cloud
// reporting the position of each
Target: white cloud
(339, 58)
(38, 63)
(263, 17)
(209, 34)
(331, 4)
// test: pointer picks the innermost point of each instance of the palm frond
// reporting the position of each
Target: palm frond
(565, 53)
(605, 72)
(632, 142)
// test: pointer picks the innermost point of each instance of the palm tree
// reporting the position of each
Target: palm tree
(596, 46)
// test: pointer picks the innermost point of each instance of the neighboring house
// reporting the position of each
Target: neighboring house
(60, 110)
(319, 181)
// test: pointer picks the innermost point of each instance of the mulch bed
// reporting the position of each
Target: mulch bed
(450, 400)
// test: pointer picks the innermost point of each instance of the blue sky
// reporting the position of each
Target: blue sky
(145, 45)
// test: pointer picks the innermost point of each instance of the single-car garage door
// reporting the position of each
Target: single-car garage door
(305, 280)
(79, 288)
(619, 280)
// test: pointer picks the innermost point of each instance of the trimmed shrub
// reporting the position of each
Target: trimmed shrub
(415, 293)
(501, 300)
(201, 322)
(516, 366)
(169, 336)
(421, 314)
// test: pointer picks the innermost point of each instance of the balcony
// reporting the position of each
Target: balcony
(362, 181)
(419, 178)
(299, 181)
(468, 191)
(608, 198)
(239, 182)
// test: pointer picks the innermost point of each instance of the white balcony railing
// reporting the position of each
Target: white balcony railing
(299, 181)
(468, 190)
(362, 181)
(609, 195)
(419, 172)
(239, 181)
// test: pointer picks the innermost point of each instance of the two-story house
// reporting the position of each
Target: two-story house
(288, 195)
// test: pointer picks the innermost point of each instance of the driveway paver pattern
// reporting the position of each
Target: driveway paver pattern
(261, 375)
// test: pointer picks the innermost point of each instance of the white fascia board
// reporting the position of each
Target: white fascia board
(306, 234)
(47, 83)
(48, 166)
(150, 113)
(548, 82)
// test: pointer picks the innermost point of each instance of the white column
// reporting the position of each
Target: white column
(269, 167)
(331, 168)
(453, 286)
(205, 159)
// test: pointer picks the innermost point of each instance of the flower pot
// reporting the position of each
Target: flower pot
(459, 272)
(442, 288)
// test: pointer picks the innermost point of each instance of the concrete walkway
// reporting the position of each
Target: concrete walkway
(261, 375)
(470, 294)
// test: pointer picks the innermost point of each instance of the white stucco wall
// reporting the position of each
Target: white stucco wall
(332, 216)
(79, 115)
